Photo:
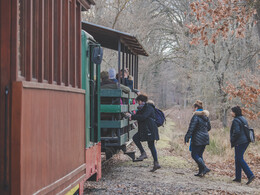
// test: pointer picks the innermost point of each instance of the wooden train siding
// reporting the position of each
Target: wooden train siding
(48, 138)
(40, 43)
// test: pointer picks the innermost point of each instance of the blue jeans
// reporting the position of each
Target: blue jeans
(197, 152)
(240, 162)
(151, 146)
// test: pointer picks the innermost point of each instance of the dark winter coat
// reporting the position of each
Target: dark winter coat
(198, 129)
(237, 133)
(147, 129)
(128, 83)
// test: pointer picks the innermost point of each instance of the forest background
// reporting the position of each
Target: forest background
(181, 67)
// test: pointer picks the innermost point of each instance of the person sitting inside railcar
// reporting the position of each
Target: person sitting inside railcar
(112, 75)
(128, 79)
(107, 83)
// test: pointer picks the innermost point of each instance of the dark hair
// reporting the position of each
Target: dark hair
(142, 98)
(237, 110)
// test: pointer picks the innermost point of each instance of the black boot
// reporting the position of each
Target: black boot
(155, 166)
(200, 171)
(142, 156)
(237, 180)
(205, 169)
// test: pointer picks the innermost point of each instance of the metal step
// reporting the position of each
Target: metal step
(132, 156)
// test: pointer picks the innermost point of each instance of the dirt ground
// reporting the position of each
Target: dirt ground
(122, 176)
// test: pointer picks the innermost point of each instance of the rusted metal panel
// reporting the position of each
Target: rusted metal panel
(48, 138)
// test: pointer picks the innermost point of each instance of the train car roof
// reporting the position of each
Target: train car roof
(86, 4)
(108, 38)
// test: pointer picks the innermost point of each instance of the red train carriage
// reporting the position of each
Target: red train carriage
(42, 134)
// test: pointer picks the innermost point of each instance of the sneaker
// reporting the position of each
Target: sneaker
(250, 179)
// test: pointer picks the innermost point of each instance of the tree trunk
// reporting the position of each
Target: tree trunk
(257, 17)
(224, 117)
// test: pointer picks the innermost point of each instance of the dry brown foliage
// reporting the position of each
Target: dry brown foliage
(248, 94)
(218, 16)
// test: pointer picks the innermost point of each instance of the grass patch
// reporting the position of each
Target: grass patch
(215, 148)
(173, 161)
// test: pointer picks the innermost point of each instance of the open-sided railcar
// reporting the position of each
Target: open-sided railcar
(116, 129)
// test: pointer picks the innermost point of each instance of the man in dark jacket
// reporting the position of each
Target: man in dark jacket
(147, 129)
(198, 132)
(240, 141)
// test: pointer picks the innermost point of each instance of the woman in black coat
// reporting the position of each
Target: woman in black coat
(198, 132)
(147, 129)
(240, 141)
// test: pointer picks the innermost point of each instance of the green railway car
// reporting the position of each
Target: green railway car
(116, 131)
(90, 71)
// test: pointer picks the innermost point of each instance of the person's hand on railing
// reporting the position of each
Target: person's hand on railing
(128, 115)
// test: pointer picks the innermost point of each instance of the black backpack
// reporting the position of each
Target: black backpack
(159, 117)
(250, 134)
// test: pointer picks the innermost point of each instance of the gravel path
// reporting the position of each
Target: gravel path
(122, 176)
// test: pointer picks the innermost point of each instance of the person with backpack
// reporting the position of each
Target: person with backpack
(147, 129)
(240, 141)
(198, 133)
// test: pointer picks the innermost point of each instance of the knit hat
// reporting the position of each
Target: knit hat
(112, 73)
(198, 103)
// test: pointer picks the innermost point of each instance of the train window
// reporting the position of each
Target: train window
(49, 42)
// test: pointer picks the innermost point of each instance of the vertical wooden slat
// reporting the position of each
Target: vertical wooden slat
(137, 72)
(132, 68)
(41, 42)
(59, 79)
(135, 78)
(78, 45)
(46, 40)
(58, 41)
(36, 37)
(28, 42)
(68, 40)
(51, 41)
(130, 62)
(119, 60)
(65, 38)
(127, 58)
(14, 41)
(21, 60)
(72, 43)
(123, 58)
